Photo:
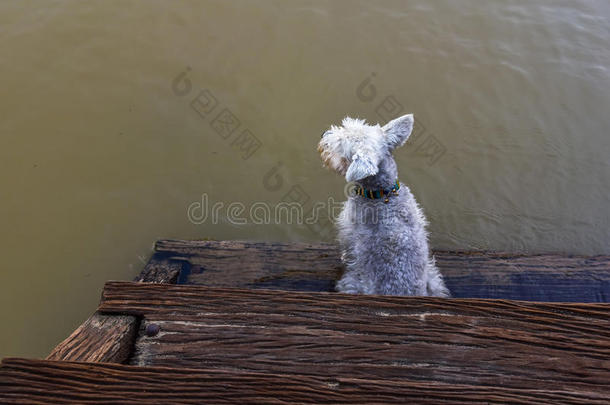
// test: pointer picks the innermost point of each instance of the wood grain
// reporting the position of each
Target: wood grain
(317, 266)
(160, 269)
(44, 382)
(452, 341)
(287, 266)
(102, 338)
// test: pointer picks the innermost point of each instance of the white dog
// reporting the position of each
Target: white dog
(381, 228)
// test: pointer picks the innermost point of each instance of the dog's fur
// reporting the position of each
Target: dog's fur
(384, 245)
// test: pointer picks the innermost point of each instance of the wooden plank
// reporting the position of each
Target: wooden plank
(453, 341)
(287, 266)
(160, 269)
(102, 338)
(44, 382)
(317, 266)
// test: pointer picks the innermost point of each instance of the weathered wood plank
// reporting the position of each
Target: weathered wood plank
(317, 266)
(160, 269)
(43, 382)
(102, 338)
(287, 266)
(454, 341)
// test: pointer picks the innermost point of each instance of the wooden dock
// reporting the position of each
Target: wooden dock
(246, 322)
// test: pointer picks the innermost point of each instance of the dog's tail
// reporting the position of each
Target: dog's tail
(435, 285)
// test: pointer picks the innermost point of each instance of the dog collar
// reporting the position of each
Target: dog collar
(377, 194)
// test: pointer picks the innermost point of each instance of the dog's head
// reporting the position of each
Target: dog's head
(355, 149)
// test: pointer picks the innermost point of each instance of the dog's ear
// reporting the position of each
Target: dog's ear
(398, 130)
(360, 168)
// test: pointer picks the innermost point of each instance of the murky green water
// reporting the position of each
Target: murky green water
(104, 148)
